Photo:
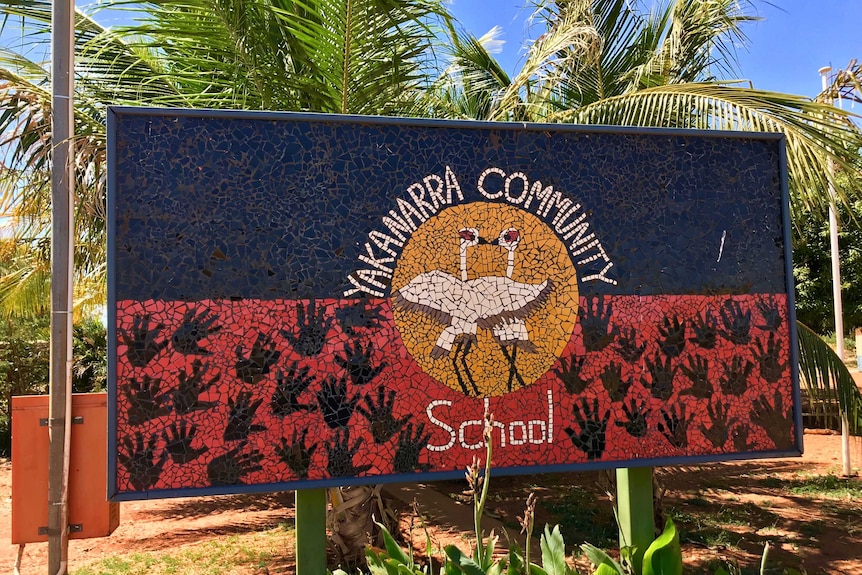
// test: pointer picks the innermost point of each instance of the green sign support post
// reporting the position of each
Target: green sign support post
(310, 531)
(635, 509)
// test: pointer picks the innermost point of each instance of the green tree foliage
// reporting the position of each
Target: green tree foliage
(24, 362)
(90, 352)
(23, 367)
(812, 265)
(666, 64)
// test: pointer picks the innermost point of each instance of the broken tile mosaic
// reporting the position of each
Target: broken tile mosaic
(316, 300)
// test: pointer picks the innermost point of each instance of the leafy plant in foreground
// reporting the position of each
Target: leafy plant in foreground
(662, 557)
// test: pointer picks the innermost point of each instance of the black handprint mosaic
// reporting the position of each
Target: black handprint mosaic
(145, 400)
(191, 386)
(178, 440)
(140, 341)
(253, 366)
(187, 338)
(290, 386)
(314, 302)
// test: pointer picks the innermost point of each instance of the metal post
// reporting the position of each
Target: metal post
(836, 286)
(62, 249)
(635, 510)
(310, 531)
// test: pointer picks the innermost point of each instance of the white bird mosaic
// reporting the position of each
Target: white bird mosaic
(512, 333)
(491, 302)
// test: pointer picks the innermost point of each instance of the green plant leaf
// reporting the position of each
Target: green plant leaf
(450, 568)
(536, 570)
(721, 571)
(392, 548)
(605, 569)
(599, 557)
(393, 567)
(664, 555)
(553, 551)
(463, 562)
(378, 564)
(516, 559)
(488, 550)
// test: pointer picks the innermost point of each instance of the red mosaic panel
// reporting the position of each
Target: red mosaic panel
(216, 393)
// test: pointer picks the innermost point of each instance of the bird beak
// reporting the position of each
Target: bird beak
(484, 241)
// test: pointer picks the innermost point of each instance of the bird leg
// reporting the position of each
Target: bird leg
(458, 375)
(467, 347)
(513, 369)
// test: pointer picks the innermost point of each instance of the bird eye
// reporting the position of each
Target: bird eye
(467, 235)
(512, 236)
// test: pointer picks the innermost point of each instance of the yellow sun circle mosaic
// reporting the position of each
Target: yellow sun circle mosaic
(519, 299)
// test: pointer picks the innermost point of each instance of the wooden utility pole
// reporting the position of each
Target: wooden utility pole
(62, 249)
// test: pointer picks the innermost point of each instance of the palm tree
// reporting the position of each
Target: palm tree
(358, 57)
(606, 62)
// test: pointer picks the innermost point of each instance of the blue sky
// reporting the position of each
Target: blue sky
(785, 50)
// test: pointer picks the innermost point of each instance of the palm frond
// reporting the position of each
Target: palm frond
(699, 42)
(25, 287)
(815, 132)
(360, 56)
(827, 382)
(471, 84)
(571, 43)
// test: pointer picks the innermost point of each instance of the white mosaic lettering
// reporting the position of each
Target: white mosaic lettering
(407, 211)
(516, 176)
(382, 241)
(417, 193)
(531, 437)
(357, 278)
(440, 424)
(517, 440)
(513, 433)
(537, 191)
(462, 433)
(481, 184)
(396, 225)
(378, 263)
(435, 192)
(452, 185)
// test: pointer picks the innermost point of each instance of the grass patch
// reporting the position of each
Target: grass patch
(716, 528)
(582, 518)
(698, 502)
(228, 555)
(811, 528)
(830, 486)
(771, 482)
(745, 514)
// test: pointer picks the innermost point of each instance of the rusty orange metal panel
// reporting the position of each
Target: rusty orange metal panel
(88, 505)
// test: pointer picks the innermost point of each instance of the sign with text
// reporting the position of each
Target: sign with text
(304, 300)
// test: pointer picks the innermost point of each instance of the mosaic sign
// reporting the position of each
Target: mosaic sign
(305, 301)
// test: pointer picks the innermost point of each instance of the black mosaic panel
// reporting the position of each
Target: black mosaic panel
(307, 300)
(675, 213)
